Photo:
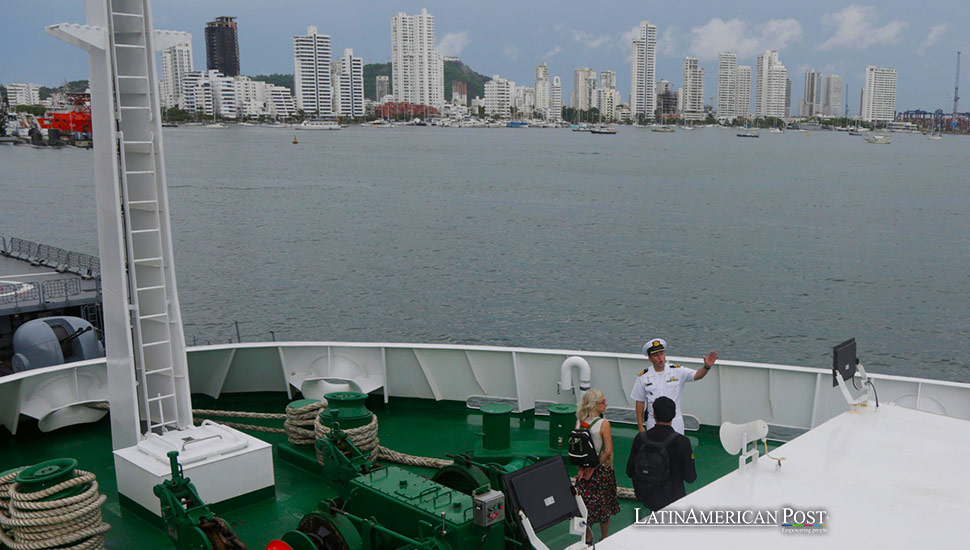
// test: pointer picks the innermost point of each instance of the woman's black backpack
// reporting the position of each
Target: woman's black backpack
(582, 452)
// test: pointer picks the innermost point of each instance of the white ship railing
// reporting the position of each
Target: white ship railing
(785, 396)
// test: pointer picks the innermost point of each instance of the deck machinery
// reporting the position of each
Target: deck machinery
(370, 506)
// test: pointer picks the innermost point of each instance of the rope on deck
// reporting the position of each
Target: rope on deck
(72, 523)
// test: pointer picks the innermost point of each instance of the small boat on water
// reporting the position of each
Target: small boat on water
(879, 139)
(318, 124)
(776, 131)
(663, 129)
(603, 130)
(216, 126)
(749, 133)
(170, 125)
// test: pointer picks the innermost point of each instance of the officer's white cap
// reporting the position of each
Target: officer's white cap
(654, 345)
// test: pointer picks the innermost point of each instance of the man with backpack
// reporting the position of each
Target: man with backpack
(661, 460)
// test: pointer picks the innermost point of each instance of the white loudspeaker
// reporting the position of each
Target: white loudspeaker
(734, 436)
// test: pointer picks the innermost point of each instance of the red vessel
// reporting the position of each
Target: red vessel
(77, 119)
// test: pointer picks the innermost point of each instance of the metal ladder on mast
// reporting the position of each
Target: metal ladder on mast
(156, 326)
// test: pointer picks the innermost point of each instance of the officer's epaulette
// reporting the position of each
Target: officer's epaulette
(641, 373)
(676, 366)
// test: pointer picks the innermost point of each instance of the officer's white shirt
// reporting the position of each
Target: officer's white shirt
(668, 382)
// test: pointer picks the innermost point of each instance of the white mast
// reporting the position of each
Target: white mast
(148, 382)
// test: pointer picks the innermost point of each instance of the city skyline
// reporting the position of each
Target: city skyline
(920, 42)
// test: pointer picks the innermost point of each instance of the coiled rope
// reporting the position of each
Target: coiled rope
(72, 523)
(364, 438)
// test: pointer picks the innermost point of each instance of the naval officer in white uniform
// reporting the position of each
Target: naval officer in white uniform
(663, 379)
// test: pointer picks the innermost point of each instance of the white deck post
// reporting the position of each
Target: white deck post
(151, 405)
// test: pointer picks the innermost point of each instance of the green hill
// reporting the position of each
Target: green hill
(454, 70)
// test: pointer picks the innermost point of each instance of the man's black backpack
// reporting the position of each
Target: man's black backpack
(582, 452)
(651, 466)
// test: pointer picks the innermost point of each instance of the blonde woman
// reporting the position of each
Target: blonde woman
(597, 484)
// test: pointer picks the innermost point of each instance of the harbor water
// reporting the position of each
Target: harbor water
(769, 250)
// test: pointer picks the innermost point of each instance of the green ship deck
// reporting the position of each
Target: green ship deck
(404, 426)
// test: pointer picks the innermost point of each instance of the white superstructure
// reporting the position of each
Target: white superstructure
(772, 86)
(643, 71)
(832, 96)
(146, 369)
(417, 69)
(176, 62)
(692, 95)
(311, 72)
(22, 93)
(499, 93)
(879, 95)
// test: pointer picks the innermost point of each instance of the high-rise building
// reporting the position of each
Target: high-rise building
(459, 93)
(499, 94)
(351, 85)
(176, 61)
(524, 100)
(542, 90)
(743, 108)
(832, 96)
(811, 104)
(608, 98)
(727, 86)
(222, 46)
(772, 89)
(383, 85)
(417, 69)
(210, 93)
(643, 94)
(787, 98)
(584, 89)
(693, 90)
(555, 99)
(879, 95)
(21, 93)
(312, 73)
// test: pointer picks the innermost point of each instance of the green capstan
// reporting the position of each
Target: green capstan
(190, 523)
(344, 461)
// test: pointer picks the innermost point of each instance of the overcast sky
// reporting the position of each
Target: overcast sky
(510, 38)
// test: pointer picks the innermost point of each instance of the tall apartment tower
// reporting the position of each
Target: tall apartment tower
(608, 99)
(499, 93)
(727, 86)
(417, 69)
(832, 96)
(176, 62)
(879, 95)
(383, 85)
(555, 99)
(743, 106)
(542, 90)
(772, 86)
(643, 72)
(351, 85)
(311, 72)
(811, 104)
(693, 91)
(222, 46)
(584, 89)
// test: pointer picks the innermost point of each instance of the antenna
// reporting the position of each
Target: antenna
(956, 93)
